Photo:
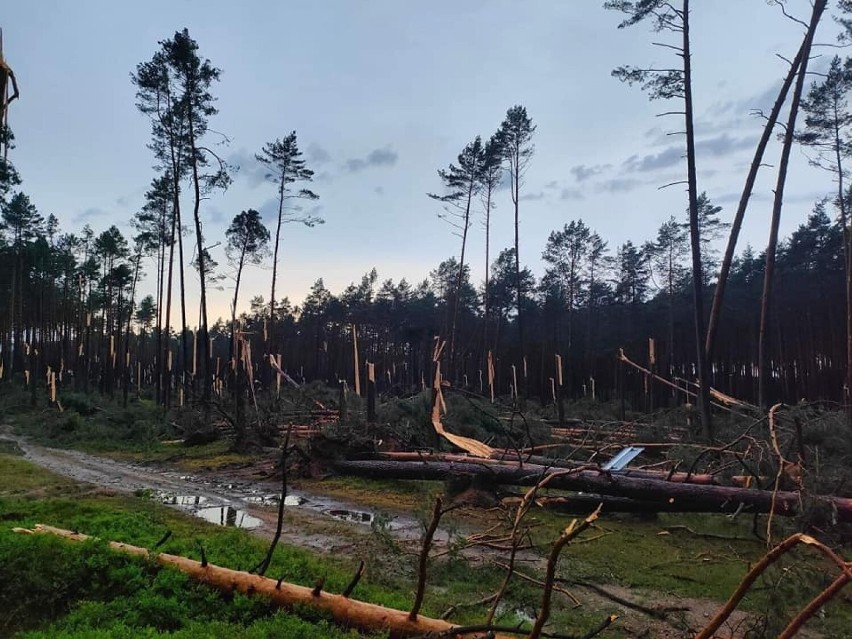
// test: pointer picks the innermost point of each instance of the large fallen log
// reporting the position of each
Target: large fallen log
(348, 612)
(511, 459)
(709, 498)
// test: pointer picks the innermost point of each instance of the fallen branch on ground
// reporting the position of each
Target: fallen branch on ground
(348, 612)
(767, 560)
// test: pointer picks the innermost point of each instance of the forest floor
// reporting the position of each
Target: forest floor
(660, 581)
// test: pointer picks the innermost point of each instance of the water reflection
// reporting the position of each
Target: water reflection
(228, 516)
(359, 517)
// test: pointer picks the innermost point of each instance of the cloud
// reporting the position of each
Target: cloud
(657, 137)
(85, 216)
(533, 196)
(619, 185)
(552, 184)
(376, 157)
(762, 100)
(379, 190)
(719, 146)
(215, 215)
(582, 172)
(664, 159)
(247, 167)
(504, 183)
(254, 173)
(571, 194)
(316, 155)
(723, 145)
(294, 213)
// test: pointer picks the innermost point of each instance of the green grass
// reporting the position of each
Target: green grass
(74, 590)
(50, 587)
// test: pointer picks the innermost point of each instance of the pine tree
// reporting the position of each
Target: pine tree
(515, 137)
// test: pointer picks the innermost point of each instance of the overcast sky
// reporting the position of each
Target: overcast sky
(382, 93)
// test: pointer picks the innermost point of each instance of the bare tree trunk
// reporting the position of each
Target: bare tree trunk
(736, 225)
(184, 332)
(485, 300)
(161, 273)
(275, 254)
(164, 337)
(515, 197)
(126, 359)
(847, 260)
(766, 298)
(695, 237)
(202, 271)
(459, 281)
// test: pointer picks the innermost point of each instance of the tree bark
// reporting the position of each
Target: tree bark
(655, 491)
(348, 612)
(202, 271)
(695, 237)
(766, 299)
(736, 225)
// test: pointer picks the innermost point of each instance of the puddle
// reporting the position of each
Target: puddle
(228, 516)
(359, 517)
(181, 500)
(216, 506)
(223, 515)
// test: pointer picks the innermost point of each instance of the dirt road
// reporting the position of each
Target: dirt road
(226, 497)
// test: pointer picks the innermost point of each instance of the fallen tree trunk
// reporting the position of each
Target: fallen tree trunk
(709, 498)
(511, 459)
(347, 612)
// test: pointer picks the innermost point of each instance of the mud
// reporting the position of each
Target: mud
(226, 497)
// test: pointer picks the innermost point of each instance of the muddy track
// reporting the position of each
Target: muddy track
(226, 497)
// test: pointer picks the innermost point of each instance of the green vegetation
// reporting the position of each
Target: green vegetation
(73, 590)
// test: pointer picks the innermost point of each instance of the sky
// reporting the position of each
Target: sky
(382, 94)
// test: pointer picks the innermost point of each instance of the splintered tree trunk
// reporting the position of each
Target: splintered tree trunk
(766, 299)
(345, 611)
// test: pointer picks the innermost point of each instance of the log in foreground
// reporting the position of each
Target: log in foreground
(347, 612)
(654, 491)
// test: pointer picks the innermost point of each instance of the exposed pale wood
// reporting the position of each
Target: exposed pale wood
(349, 612)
